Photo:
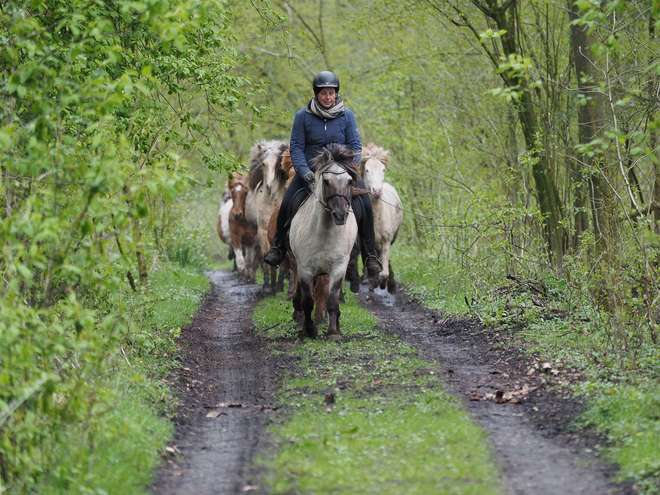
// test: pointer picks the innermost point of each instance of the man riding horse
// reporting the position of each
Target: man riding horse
(323, 121)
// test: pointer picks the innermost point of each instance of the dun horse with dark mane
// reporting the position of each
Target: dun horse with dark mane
(322, 235)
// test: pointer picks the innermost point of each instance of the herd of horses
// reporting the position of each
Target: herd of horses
(323, 231)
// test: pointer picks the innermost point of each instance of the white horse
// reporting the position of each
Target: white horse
(223, 222)
(387, 208)
(322, 235)
(267, 186)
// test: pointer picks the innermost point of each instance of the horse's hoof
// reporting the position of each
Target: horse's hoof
(334, 337)
(382, 285)
(391, 287)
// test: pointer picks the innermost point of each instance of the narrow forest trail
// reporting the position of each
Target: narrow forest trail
(225, 364)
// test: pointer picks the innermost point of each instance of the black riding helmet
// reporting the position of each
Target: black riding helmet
(325, 79)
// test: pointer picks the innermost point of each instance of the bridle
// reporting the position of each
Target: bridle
(325, 199)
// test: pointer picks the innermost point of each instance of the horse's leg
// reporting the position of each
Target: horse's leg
(296, 299)
(353, 275)
(273, 280)
(372, 285)
(279, 285)
(266, 287)
(320, 296)
(293, 280)
(332, 305)
(307, 303)
(384, 275)
(391, 283)
(251, 263)
(240, 261)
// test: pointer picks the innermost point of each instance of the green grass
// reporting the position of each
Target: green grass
(391, 427)
(439, 287)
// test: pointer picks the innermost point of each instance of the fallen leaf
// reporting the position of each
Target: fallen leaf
(215, 414)
(171, 450)
(475, 395)
(249, 488)
(329, 399)
(378, 382)
(499, 396)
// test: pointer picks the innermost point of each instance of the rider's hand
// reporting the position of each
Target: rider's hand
(309, 178)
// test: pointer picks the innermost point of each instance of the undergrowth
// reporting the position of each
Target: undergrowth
(103, 430)
(367, 415)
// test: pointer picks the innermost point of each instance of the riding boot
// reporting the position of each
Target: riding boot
(274, 256)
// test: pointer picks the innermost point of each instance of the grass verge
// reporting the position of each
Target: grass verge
(367, 415)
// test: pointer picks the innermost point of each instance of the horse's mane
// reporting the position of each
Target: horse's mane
(338, 154)
(258, 154)
(376, 152)
(237, 178)
(287, 166)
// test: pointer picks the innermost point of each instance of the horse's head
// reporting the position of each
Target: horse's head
(336, 175)
(266, 165)
(237, 186)
(373, 163)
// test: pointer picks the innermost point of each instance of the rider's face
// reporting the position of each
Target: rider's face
(327, 97)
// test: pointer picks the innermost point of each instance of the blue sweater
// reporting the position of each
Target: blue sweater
(310, 134)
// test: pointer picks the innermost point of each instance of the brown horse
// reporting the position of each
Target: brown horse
(243, 236)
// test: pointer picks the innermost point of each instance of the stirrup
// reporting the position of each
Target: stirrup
(371, 269)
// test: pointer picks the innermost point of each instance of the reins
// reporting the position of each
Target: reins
(324, 201)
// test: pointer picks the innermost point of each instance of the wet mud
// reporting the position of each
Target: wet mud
(225, 390)
(228, 378)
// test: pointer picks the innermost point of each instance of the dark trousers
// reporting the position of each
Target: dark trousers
(361, 206)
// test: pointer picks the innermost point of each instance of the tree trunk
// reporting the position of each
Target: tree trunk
(546, 189)
(591, 119)
(139, 252)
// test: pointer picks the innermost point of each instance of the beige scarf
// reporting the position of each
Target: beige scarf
(315, 108)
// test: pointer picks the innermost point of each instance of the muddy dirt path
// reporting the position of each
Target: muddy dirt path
(224, 364)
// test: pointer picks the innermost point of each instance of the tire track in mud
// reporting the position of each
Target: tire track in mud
(223, 362)
(534, 458)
